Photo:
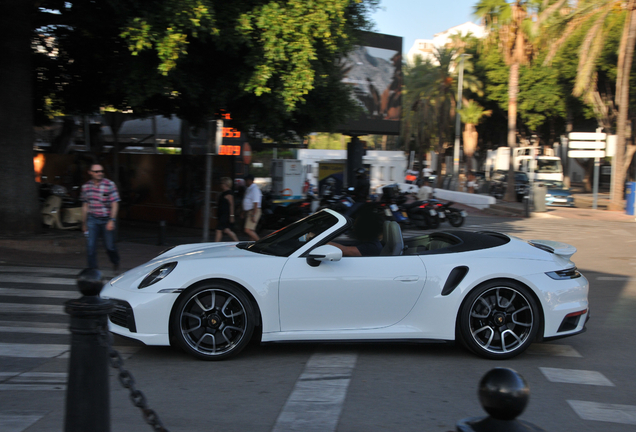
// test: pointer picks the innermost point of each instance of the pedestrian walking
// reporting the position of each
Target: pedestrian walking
(225, 211)
(99, 213)
(252, 206)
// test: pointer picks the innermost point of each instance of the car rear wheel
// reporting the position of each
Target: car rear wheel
(499, 320)
(213, 321)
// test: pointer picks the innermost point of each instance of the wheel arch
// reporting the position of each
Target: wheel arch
(237, 285)
(540, 332)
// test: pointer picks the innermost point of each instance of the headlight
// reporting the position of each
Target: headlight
(157, 274)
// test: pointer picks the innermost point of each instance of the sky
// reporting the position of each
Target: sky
(421, 19)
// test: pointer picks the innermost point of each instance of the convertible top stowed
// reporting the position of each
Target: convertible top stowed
(454, 241)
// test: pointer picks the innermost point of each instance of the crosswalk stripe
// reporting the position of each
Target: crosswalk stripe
(22, 308)
(34, 330)
(37, 279)
(611, 413)
(572, 376)
(45, 270)
(18, 292)
(16, 421)
(557, 350)
(32, 350)
(316, 402)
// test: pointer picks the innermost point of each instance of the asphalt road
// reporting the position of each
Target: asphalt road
(583, 383)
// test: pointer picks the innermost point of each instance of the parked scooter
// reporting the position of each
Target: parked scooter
(445, 212)
(60, 211)
(422, 214)
(337, 202)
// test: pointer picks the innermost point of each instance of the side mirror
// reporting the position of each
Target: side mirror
(323, 253)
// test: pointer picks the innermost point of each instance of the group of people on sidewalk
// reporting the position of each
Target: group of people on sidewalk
(100, 205)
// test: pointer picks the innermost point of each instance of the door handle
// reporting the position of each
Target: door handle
(410, 278)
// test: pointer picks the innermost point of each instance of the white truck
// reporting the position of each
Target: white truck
(539, 167)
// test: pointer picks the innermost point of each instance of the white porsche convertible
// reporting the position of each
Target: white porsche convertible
(495, 293)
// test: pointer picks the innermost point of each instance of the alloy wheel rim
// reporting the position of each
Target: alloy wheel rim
(213, 322)
(501, 320)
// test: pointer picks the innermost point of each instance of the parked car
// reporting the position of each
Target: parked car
(499, 184)
(558, 195)
(495, 293)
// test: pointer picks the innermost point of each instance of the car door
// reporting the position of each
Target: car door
(353, 293)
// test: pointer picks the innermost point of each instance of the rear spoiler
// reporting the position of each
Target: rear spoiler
(563, 250)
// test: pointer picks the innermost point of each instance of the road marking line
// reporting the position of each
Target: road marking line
(32, 350)
(22, 308)
(32, 387)
(615, 278)
(34, 330)
(16, 421)
(553, 350)
(46, 270)
(316, 402)
(18, 292)
(37, 279)
(612, 413)
(572, 376)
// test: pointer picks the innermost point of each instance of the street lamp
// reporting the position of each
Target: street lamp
(458, 122)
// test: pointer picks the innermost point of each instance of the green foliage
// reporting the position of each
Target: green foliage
(541, 97)
(472, 112)
(273, 64)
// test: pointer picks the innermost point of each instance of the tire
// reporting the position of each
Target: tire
(214, 321)
(432, 222)
(455, 218)
(496, 309)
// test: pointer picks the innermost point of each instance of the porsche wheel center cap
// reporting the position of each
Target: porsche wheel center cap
(214, 320)
(500, 319)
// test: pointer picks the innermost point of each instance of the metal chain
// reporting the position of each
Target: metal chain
(127, 381)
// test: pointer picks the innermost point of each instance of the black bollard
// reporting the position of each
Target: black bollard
(503, 394)
(526, 205)
(87, 393)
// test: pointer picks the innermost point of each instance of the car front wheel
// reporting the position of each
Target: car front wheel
(213, 321)
(499, 320)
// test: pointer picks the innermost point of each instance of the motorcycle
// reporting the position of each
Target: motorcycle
(445, 212)
(60, 210)
(276, 214)
(422, 214)
(337, 202)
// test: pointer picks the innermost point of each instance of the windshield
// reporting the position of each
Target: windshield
(549, 166)
(554, 184)
(287, 240)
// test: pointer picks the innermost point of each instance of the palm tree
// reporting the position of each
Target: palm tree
(596, 13)
(471, 114)
(513, 26)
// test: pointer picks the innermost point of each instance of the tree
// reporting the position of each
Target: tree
(19, 211)
(270, 62)
(471, 114)
(512, 28)
(597, 13)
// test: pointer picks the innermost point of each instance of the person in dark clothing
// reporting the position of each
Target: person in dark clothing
(361, 191)
(225, 211)
(367, 230)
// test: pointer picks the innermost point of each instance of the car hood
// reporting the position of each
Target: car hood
(181, 253)
(559, 192)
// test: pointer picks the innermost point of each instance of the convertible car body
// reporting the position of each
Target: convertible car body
(495, 293)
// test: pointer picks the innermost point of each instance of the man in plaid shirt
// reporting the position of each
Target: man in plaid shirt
(99, 213)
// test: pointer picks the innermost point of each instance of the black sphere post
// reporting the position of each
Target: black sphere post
(87, 393)
(503, 394)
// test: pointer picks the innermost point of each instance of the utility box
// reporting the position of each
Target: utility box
(287, 178)
(630, 198)
(538, 196)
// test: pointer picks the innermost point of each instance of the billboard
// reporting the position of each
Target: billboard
(374, 70)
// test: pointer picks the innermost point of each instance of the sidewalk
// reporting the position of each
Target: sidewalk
(139, 242)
